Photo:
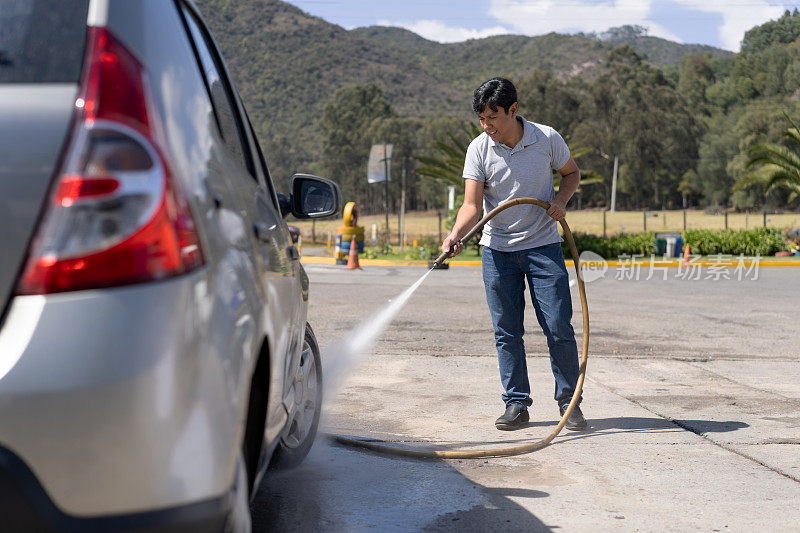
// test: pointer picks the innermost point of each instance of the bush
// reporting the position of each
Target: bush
(614, 246)
(759, 241)
(376, 251)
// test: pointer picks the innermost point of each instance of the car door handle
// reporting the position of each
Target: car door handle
(293, 253)
(262, 231)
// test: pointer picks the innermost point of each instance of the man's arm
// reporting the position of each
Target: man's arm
(468, 215)
(570, 178)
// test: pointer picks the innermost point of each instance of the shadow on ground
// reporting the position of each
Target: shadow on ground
(342, 489)
(637, 424)
(649, 424)
(596, 428)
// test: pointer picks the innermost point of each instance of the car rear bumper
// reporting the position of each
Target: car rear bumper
(119, 401)
(25, 506)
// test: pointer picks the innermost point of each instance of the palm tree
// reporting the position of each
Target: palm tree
(774, 165)
(448, 166)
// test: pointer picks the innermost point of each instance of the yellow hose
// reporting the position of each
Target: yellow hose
(383, 447)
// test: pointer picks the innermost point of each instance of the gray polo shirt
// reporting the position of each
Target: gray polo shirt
(522, 171)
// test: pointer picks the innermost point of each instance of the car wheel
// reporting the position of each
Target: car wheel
(302, 428)
(239, 520)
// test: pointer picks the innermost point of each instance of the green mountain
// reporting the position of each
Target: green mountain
(657, 50)
(287, 65)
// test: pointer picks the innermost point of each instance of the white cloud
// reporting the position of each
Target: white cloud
(435, 30)
(536, 17)
(737, 17)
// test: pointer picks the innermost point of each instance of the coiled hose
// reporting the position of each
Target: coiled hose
(386, 448)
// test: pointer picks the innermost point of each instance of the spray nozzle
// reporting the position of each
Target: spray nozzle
(444, 255)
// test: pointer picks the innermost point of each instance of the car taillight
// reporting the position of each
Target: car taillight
(116, 216)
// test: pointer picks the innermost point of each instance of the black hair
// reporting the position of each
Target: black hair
(493, 93)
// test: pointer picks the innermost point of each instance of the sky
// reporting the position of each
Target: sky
(720, 23)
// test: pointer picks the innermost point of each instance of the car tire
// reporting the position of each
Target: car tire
(296, 442)
(239, 519)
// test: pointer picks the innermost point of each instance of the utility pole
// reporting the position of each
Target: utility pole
(386, 190)
(613, 180)
(604, 224)
(402, 206)
(614, 185)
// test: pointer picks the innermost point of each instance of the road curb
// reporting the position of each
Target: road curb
(613, 263)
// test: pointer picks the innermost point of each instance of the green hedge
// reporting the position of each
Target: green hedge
(759, 241)
(613, 247)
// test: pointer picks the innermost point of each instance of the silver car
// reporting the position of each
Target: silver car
(154, 351)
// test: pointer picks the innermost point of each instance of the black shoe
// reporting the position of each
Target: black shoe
(575, 422)
(516, 416)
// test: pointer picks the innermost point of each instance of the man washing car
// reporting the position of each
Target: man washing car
(515, 158)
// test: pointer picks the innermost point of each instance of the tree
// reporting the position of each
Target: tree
(545, 99)
(635, 112)
(720, 145)
(623, 34)
(689, 187)
(696, 75)
(775, 165)
(346, 139)
(402, 134)
(784, 30)
(448, 165)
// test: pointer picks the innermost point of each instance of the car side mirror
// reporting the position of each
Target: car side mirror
(312, 197)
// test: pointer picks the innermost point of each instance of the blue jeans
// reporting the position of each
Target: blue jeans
(503, 275)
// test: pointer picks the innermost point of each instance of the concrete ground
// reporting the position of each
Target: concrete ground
(691, 396)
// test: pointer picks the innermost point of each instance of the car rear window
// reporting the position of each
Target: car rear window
(42, 41)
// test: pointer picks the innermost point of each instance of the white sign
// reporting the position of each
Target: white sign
(451, 197)
(379, 163)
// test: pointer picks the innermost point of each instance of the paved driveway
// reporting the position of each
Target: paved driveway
(691, 396)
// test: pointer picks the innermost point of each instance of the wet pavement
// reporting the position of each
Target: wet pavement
(691, 396)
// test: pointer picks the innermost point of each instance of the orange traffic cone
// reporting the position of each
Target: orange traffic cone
(352, 259)
(686, 256)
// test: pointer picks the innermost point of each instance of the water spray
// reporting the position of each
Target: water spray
(386, 315)
(344, 354)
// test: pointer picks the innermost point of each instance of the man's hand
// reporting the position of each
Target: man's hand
(557, 210)
(452, 244)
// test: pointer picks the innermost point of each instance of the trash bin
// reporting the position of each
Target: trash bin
(670, 252)
(661, 246)
(668, 244)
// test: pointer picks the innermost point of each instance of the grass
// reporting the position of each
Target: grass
(420, 224)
